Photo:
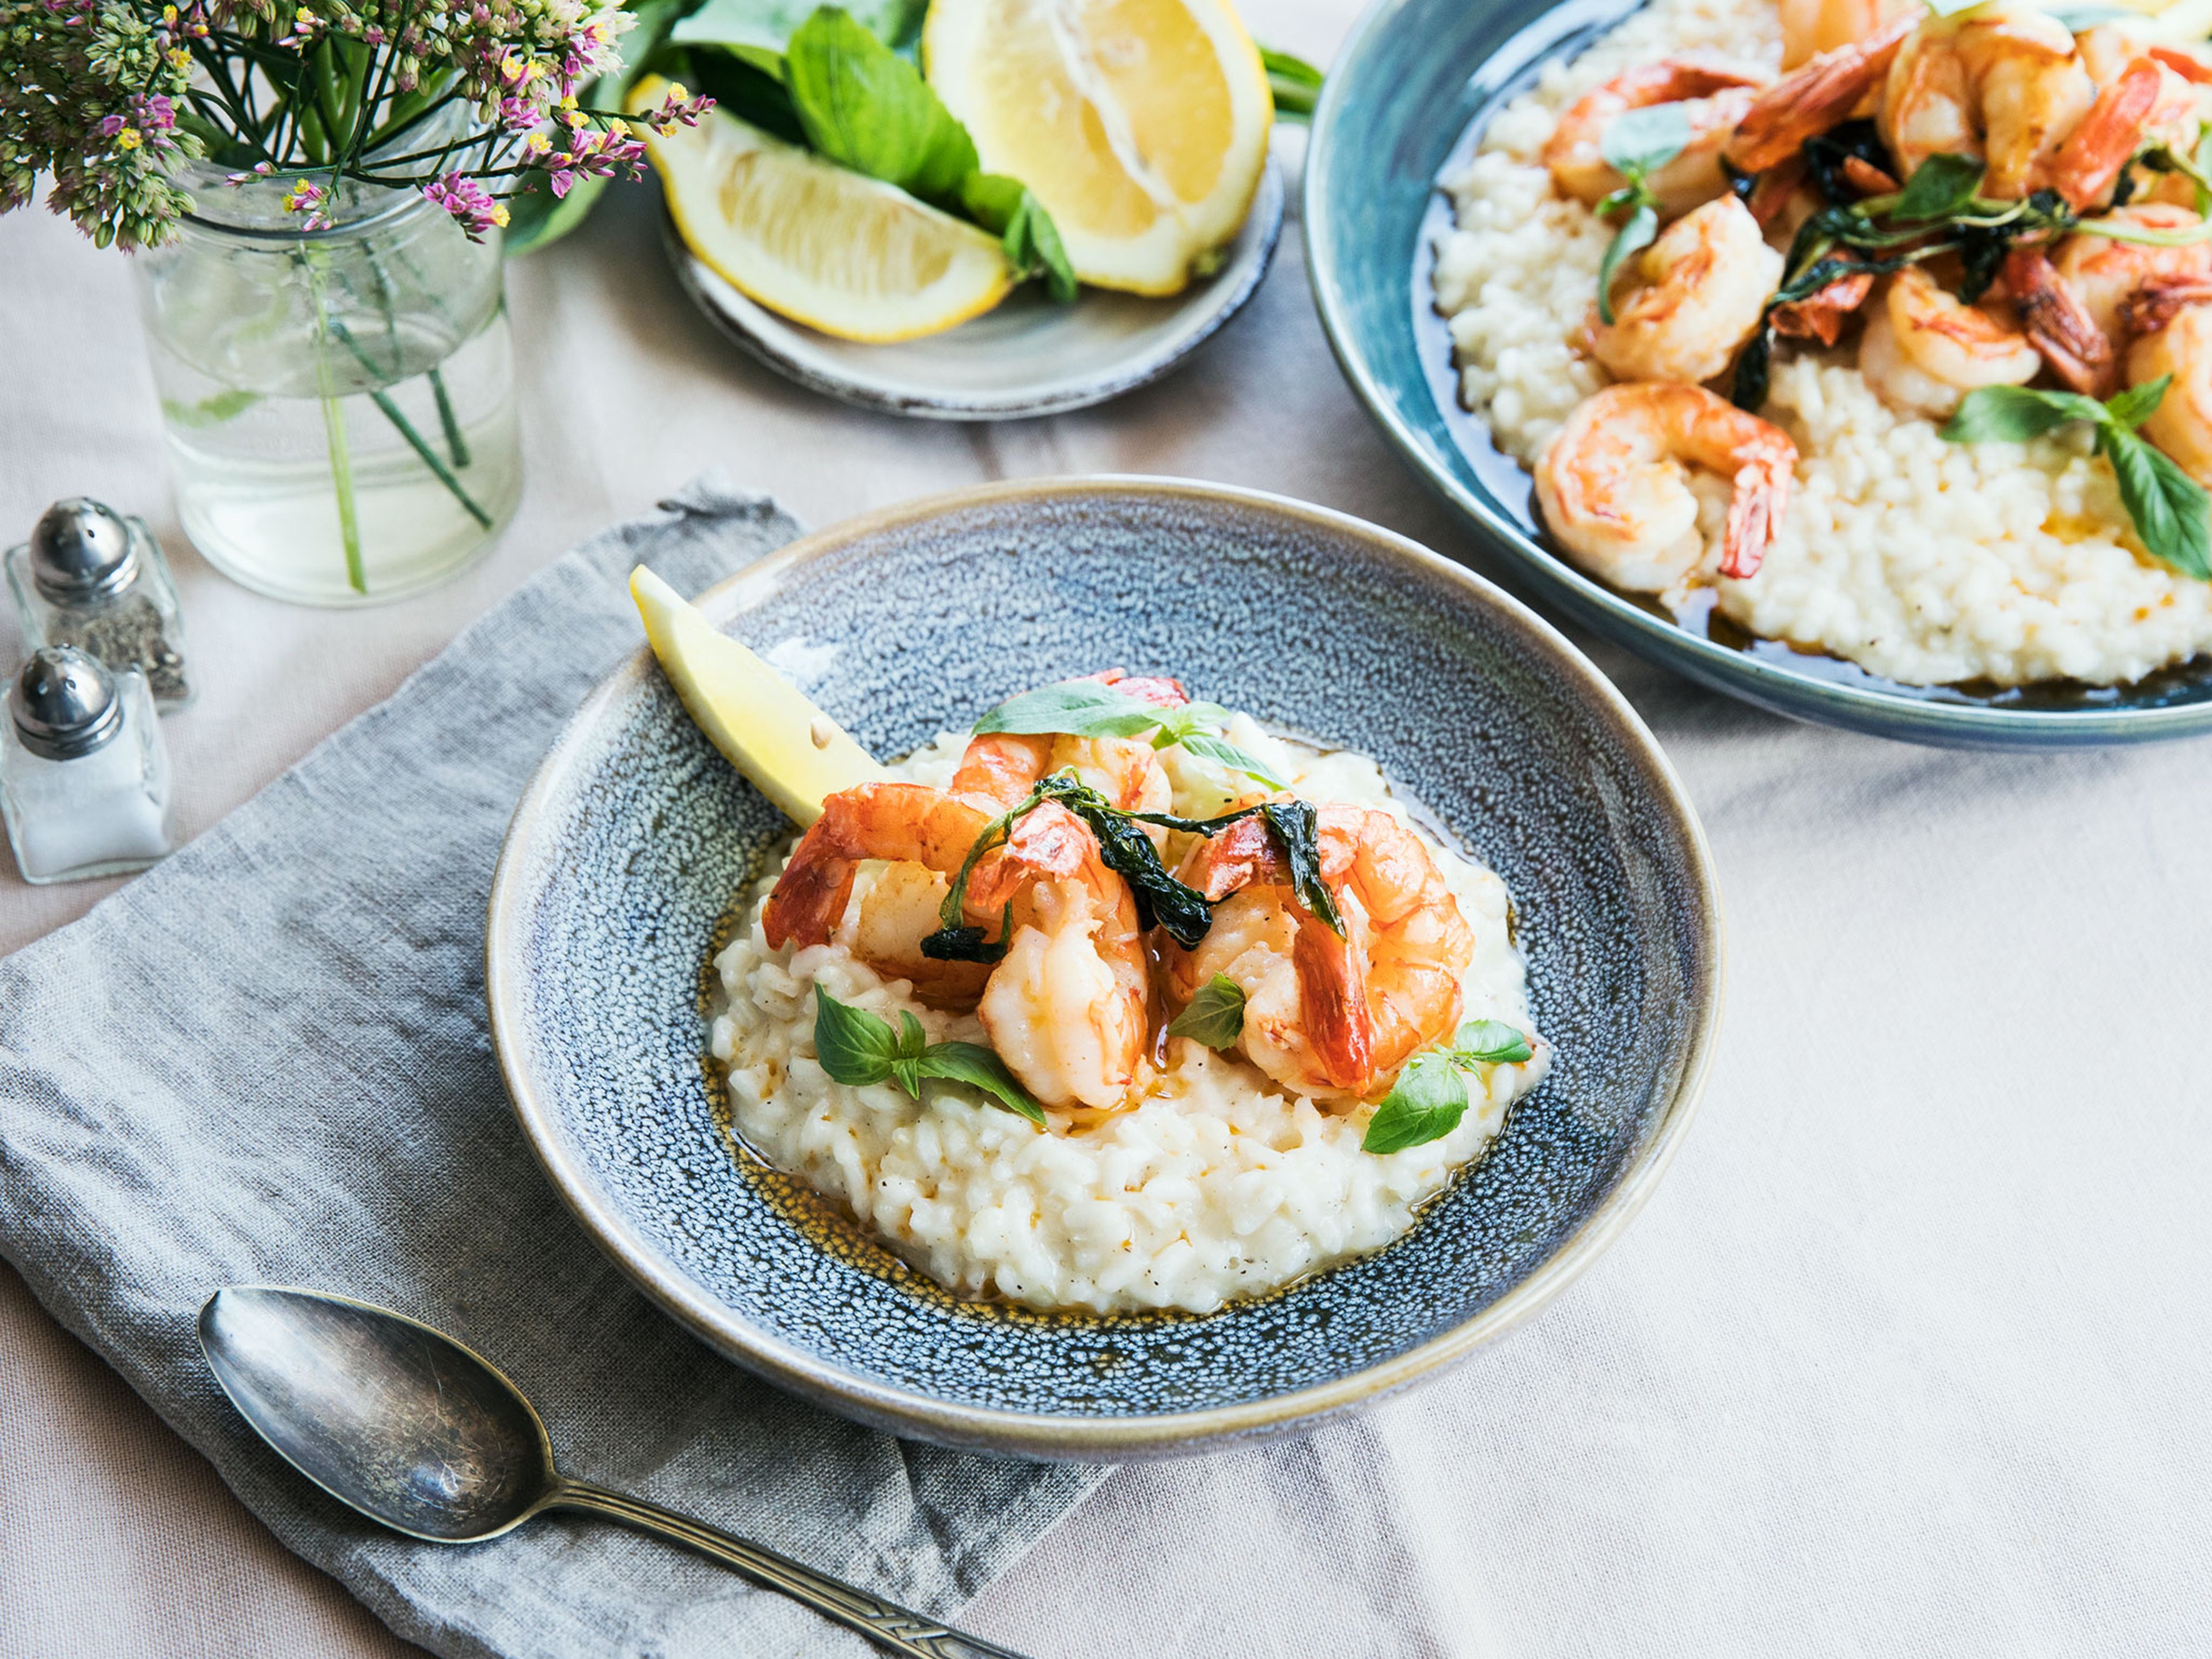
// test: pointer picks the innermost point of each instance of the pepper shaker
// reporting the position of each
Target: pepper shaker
(92, 579)
(84, 775)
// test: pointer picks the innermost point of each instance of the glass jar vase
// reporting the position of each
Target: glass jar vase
(338, 403)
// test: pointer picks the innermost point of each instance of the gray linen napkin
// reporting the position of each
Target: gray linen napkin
(265, 1060)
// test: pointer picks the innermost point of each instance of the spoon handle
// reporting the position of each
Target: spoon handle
(885, 1622)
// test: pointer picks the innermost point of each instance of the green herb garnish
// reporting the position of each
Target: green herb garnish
(1429, 1096)
(1635, 143)
(1295, 82)
(1089, 708)
(1216, 1015)
(857, 1048)
(2168, 507)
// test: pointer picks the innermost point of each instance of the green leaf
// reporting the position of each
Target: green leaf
(771, 23)
(213, 411)
(1026, 232)
(1426, 1103)
(1641, 141)
(1295, 82)
(865, 108)
(1080, 708)
(2132, 407)
(1225, 754)
(2168, 507)
(1216, 1015)
(979, 1068)
(741, 88)
(1633, 237)
(854, 1045)
(1940, 187)
(1489, 1043)
(1296, 830)
(2080, 20)
(2014, 414)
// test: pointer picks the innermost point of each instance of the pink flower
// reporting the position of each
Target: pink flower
(473, 207)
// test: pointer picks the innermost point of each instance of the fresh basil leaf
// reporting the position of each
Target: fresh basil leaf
(1640, 140)
(2014, 414)
(1426, 1103)
(743, 89)
(1216, 1015)
(771, 23)
(1080, 708)
(1491, 1041)
(1226, 754)
(1634, 236)
(854, 1046)
(979, 1069)
(912, 1039)
(2132, 407)
(1010, 210)
(2168, 507)
(1295, 82)
(1753, 371)
(1940, 187)
(1297, 829)
(865, 108)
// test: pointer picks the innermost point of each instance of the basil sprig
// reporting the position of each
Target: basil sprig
(857, 1048)
(1429, 1096)
(2170, 510)
(1216, 1015)
(1635, 143)
(1295, 82)
(833, 84)
(1087, 709)
(1161, 900)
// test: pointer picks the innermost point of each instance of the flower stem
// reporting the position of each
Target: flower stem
(398, 416)
(456, 446)
(334, 436)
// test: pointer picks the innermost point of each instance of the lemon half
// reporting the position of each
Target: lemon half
(1141, 124)
(818, 243)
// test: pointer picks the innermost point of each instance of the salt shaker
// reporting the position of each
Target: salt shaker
(84, 775)
(91, 578)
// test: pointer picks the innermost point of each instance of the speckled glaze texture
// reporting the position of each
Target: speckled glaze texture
(636, 837)
(1401, 98)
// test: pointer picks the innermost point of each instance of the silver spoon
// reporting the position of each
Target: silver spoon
(413, 1430)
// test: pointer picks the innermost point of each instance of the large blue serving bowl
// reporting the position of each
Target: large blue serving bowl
(1402, 102)
(636, 838)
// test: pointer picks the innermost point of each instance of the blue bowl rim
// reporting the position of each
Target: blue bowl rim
(1806, 696)
(911, 1413)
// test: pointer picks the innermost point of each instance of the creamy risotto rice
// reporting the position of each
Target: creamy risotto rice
(1220, 1184)
(1928, 561)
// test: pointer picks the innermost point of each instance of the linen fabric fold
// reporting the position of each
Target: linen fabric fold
(266, 1061)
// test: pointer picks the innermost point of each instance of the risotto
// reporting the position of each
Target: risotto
(1927, 561)
(1217, 1181)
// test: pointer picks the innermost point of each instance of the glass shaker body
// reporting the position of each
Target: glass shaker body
(105, 813)
(140, 627)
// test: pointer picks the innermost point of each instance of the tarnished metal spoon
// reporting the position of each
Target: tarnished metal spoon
(413, 1430)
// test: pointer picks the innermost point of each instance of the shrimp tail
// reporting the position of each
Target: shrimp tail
(1812, 100)
(1332, 1002)
(2088, 163)
(2151, 307)
(2059, 325)
(1762, 496)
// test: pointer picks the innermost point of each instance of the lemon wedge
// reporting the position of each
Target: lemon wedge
(789, 750)
(1141, 124)
(820, 244)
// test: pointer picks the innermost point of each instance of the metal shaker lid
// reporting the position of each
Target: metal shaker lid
(81, 550)
(65, 703)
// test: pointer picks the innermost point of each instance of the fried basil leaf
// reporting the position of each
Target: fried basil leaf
(1426, 1103)
(1827, 152)
(1296, 827)
(979, 1068)
(1216, 1015)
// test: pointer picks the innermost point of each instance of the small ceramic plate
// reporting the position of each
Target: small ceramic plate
(1027, 356)
(635, 840)
(1405, 100)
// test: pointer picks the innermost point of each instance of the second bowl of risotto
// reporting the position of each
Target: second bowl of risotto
(1839, 354)
(1311, 1011)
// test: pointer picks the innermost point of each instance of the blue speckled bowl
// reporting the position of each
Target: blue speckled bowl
(635, 837)
(1401, 99)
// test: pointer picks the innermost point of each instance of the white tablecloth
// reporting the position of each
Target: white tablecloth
(1908, 1355)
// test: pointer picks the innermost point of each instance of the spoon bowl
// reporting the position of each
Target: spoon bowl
(406, 1425)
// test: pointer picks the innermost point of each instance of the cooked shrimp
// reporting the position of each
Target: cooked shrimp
(2181, 425)
(1820, 315)
(1004, 765)
(2148, 104)
(1825, 92)
(2059, 325)
(1810, 27)
(1614, 485)
(1073, 927)
(1329, 1015)
(2108, 276)
(1704, 285)
(2031, 91)
(1923, 350)
(1927, 105)
(1714, 94)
